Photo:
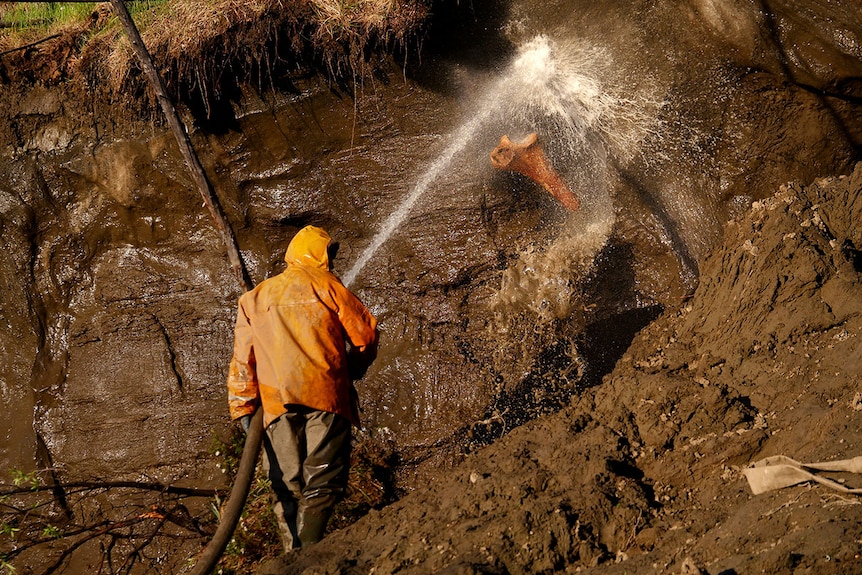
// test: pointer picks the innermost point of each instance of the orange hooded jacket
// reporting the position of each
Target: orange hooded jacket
(289, 340)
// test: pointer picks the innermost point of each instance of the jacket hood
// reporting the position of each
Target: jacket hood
(309, 248)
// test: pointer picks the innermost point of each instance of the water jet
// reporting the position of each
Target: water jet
(546, 85)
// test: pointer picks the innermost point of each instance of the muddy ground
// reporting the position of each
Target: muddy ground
(641, 474)
(119, 303)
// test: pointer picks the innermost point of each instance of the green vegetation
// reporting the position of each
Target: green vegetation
(52, 532)
(42, 15)
(29, 21)
(21, 479)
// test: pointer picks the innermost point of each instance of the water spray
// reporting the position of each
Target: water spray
(464, 135)
(546, 88)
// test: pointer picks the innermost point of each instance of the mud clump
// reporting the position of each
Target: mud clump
(642, 473)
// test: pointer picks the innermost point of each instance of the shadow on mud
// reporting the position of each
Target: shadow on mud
(612, 325)
(468, 34)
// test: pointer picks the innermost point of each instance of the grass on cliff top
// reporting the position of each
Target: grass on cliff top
(193, 39)
(21, 16)
(30, 20)
(184, 19)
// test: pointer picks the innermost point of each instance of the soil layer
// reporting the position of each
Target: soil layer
(497, 306)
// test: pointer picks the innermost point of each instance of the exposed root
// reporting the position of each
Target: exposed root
(204, 50)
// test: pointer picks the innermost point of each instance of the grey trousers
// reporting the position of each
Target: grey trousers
(307, 459)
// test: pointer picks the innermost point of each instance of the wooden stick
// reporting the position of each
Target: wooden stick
(88, 485)
(184, 143)
(30, 45)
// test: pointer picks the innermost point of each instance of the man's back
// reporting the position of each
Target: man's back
(291, 331)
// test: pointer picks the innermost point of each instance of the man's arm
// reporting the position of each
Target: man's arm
(360, 327)
(242, 379)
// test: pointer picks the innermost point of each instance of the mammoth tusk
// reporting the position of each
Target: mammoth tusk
(527, 158)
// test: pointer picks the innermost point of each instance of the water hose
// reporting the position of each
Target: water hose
(232, 511)
(236, 501)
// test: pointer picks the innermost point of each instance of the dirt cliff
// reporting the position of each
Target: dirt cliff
(496, 307)
(642, 472)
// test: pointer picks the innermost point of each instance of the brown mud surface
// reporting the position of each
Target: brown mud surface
(641, 474)
(496, 308)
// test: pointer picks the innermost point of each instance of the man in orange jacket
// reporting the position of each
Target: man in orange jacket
(301, 338)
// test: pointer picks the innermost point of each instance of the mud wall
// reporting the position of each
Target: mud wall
(121, 308)
(120, 303)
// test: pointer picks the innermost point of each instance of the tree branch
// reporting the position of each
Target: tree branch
(90, 485)
(30, 45)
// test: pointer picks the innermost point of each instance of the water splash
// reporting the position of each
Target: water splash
(554, 90)
(543, 281)
(557, 88)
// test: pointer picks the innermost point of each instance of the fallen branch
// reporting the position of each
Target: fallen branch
(80, 534)
(30, 45)
(184, 143)
(90, 536)
(88, 485)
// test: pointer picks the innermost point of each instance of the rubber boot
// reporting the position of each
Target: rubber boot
(311, 519)
(286, 518)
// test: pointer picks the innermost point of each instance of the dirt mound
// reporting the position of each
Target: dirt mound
(642, 473)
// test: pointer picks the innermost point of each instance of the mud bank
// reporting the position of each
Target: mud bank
(642, 473)
(496, 304)
(488, 286)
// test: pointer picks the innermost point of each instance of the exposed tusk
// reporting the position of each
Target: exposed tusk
(527, 158)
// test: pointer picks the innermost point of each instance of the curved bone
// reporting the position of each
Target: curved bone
(527, 157)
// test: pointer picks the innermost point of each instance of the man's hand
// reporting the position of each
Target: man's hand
(359, 359)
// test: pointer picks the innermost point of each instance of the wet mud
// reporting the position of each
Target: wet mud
(496, 304)
(642, 473)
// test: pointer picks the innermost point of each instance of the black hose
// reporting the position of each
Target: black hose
(236, 500)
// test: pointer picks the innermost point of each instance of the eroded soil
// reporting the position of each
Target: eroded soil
(119, 302)
(642, 473)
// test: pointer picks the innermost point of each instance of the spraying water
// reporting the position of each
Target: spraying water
(392, 223)
(547, 89)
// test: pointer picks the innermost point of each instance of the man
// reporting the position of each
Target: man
(291, 355)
